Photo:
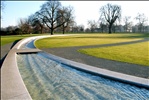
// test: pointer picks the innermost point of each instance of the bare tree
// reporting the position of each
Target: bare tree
(102, 24)
(72, 26)
(110, 13)
(142, 19)
(65, 15)
(48, 13)
(25, 26)
(128, 24)
(92, 25)
(36, 23)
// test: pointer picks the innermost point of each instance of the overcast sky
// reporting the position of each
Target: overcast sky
(84, 10)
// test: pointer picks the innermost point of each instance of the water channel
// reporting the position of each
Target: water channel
(48, 79)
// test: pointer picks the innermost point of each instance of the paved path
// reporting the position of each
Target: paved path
(127, 68)
(4, 50)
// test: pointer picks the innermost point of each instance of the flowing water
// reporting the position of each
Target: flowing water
(48, 79)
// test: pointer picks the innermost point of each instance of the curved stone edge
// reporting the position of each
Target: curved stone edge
(12, 84)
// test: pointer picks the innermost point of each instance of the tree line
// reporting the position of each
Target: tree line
(53, 17)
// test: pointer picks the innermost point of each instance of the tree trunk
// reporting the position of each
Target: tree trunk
(110, 28)
(63, 29)
(52, 31)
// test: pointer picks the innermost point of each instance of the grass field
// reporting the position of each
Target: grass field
(137, 53)
(86, 39)
(12, 38)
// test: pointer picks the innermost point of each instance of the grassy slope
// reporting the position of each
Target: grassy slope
(133, 53)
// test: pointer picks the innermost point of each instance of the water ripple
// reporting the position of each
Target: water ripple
(48, 79)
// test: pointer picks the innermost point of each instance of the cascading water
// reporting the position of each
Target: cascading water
(48, 79)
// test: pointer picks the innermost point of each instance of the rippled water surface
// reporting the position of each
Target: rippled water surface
(48, 79)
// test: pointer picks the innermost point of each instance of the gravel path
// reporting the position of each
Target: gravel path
(127, 68)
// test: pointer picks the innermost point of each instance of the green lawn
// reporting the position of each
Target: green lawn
(86, 39)
(137, 53)
(12, 38)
